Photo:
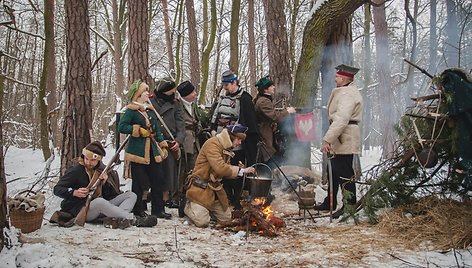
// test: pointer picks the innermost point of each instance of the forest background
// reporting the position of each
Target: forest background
(65, 65)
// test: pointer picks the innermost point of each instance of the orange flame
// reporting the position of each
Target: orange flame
(268, 212)
(259, 201)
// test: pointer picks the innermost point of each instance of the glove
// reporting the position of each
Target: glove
(165, 153)
(213, 133)
(144, 132)
(163, 144)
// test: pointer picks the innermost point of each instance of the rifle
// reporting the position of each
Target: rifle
(81, 217)
(176, 154)
(419, 68)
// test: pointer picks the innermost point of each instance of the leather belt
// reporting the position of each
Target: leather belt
(351, 122)
(199, 183)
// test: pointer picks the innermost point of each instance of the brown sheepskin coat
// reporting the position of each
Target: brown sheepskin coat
(211, 165)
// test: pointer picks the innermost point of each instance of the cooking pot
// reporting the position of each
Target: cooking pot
(259, 186)
(428, 158)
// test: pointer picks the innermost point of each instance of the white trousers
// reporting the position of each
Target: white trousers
(118, 207)
(201, 216)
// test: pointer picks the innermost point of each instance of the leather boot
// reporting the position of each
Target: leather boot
(116, 223)
(148, 221)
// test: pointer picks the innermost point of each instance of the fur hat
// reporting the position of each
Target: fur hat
(136, 89)
(94, 150)
(228, 77)
(264, 83)
(165, 84)
(237, 130)
(185, 88)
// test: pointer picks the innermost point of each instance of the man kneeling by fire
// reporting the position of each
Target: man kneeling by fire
(205, 194)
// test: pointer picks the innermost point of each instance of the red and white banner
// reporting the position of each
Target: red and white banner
(305, 126)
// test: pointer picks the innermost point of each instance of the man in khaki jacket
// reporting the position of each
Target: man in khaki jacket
(342, 140)
(205, 194)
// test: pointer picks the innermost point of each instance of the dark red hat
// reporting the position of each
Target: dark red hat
(346, 70)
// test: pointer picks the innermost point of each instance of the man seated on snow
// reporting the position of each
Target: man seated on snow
(110, 201)
(205, 194)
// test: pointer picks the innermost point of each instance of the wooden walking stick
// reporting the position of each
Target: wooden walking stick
(329, 156)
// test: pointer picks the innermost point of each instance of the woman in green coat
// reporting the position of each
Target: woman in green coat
(146, 149)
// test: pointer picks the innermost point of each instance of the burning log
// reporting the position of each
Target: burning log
(255, 218)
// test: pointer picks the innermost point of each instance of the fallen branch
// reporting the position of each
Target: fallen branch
(425, 98)
(145, 259)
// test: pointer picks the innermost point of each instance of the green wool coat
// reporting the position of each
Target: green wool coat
(139, 147)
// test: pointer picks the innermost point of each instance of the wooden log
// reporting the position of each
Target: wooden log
(441, 116)
(425, 98)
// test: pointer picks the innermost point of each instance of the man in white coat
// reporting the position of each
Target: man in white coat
(342, 140)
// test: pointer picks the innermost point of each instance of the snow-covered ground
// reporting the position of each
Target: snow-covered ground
(175, 243)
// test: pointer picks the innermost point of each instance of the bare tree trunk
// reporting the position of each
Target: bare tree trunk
(367, 118)
(3, 181)
(233, 37)
(293, 30)
(48, 80)
(316, 33)
(138, 38)
(451, 45)
(193, 44)
(277, 46)
(170, 51)
(216, 71)
(119, 33)
(205, 24)
(338, 50)
(178, 46)
(315, 37)
(433, 42)
(78, 109)
(383, 72)
(251, 47)
(207, 51)
(414, 33)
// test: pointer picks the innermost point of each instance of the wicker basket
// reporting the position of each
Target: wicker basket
(27, 222)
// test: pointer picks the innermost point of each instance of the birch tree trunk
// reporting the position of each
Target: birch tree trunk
(78, 108)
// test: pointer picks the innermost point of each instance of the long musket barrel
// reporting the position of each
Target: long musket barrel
(419, 68)
(82, 215)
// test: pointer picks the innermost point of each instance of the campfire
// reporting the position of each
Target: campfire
(255, 217)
